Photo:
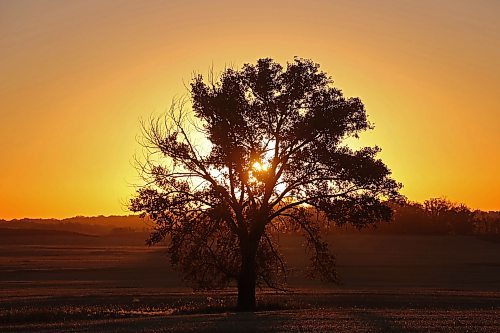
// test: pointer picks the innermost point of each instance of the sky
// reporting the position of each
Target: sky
(76, 77)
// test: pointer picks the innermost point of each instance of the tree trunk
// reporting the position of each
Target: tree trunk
(247, 279)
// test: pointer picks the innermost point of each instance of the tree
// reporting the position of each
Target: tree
(272, 157)
(449, 217)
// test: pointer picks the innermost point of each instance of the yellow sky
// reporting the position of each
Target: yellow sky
(76, 77)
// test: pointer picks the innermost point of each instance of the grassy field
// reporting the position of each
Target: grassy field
(389, 284)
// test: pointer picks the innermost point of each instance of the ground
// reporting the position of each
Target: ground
(389, 284)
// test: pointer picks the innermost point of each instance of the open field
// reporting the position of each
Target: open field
(390, 283)
(340, 311)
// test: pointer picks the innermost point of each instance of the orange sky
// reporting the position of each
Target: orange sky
(76, 77)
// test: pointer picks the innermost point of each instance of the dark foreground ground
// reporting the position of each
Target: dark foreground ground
(390, 284)
(309, 311)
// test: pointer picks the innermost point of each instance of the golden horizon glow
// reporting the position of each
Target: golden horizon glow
(77, 76)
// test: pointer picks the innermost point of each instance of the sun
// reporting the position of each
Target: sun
(257, 166)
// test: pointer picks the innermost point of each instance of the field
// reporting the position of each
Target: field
(389, 284)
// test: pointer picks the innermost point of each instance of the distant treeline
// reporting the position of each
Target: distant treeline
(94, 225)
(437, 216)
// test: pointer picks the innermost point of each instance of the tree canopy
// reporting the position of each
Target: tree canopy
(261, 151)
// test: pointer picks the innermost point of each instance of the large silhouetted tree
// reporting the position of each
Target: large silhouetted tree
(262, 152)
